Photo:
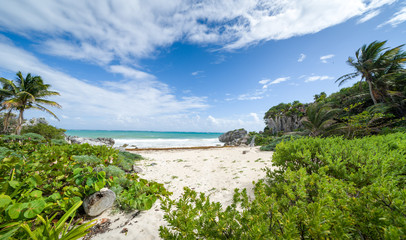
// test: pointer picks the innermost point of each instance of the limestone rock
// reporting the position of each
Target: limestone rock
(91, 141)
(137, 169)
(234, 138)
(283, 123)
(98, 202)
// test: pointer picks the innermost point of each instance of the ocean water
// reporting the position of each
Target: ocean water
(150, 139)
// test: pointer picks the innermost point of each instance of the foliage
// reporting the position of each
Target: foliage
(319, 119)
(286, 109)
(275, 141)
(328, 188)
(59, 230)
(375, 64)
(38, 178)
(27, 93)
(47, 131)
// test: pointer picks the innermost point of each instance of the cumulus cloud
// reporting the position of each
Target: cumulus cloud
(105, 31)
(301, 58)
(398, 18)
(326, 57)
(138, 95)
(369, 16)
(318, 78)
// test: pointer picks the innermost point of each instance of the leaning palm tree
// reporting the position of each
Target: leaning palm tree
(319, 119)
(373, 62)
(29, 93)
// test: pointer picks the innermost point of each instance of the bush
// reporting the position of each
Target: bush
(276, 140)
(329, 188)
(47, 131)
(41, 179)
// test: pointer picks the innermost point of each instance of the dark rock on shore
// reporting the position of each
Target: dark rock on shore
(91, 141)
(234, 138)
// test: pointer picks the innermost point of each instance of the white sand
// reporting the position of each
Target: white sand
(213, 171)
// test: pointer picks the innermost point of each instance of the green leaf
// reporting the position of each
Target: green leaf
(14, 184)
(34, 208)
(15, 210)
(5, 200)
(36, 194)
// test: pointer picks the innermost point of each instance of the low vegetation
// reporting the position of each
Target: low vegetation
(40, 178)
(329, 188)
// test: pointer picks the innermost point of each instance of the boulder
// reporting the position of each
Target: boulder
(137, 169)
(234, 138)
(98, 202)
(91, 141)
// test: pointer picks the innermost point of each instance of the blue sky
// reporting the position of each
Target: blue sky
(187, 65)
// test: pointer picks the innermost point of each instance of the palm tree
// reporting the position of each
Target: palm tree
(5, 93)
(319, 119)
(29, 93)
(374, 63)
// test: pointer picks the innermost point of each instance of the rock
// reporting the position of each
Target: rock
(283, 123)
(98, 202)
(234, 138)
(35, 121)
(91, 141)
(137, 169)
(245, 152)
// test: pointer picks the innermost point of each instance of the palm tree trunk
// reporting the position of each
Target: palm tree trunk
(20, 122)
(6, 121)
(371, 92)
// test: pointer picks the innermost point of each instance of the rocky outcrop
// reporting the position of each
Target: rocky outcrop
(35, 121)
(91, 141)
(283, 123)
(234, 138)
(98, 202)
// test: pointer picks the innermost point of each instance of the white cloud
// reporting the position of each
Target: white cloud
(326, 57)
(137, 97)
(397, 18)
(264, 81)
(318, 78)
(104, 31)
(276, 81)
(369, 16)
(250, 122)
(301, 58)
(197, 73)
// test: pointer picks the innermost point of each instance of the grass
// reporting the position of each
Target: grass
(174, 177)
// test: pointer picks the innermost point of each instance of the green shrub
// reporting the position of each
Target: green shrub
(45, 130)
(329, 188)
(41, 179)
(276, 140)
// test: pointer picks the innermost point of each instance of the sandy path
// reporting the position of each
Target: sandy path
(214, 171)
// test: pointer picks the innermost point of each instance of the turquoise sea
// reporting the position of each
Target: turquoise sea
(151, 139)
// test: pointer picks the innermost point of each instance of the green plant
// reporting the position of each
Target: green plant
(330, 188)
(47, 131)
(60, 230)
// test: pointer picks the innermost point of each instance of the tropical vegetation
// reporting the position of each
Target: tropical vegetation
(26, 93)
(41, 179)
(322, 188)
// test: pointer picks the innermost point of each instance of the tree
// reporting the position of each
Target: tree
(374, 63)
(5, 93)
(319, 119)
(28, 93)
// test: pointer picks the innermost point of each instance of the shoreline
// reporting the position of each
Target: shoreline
(177, 148)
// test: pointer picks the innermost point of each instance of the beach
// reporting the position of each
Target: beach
(214, 171)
